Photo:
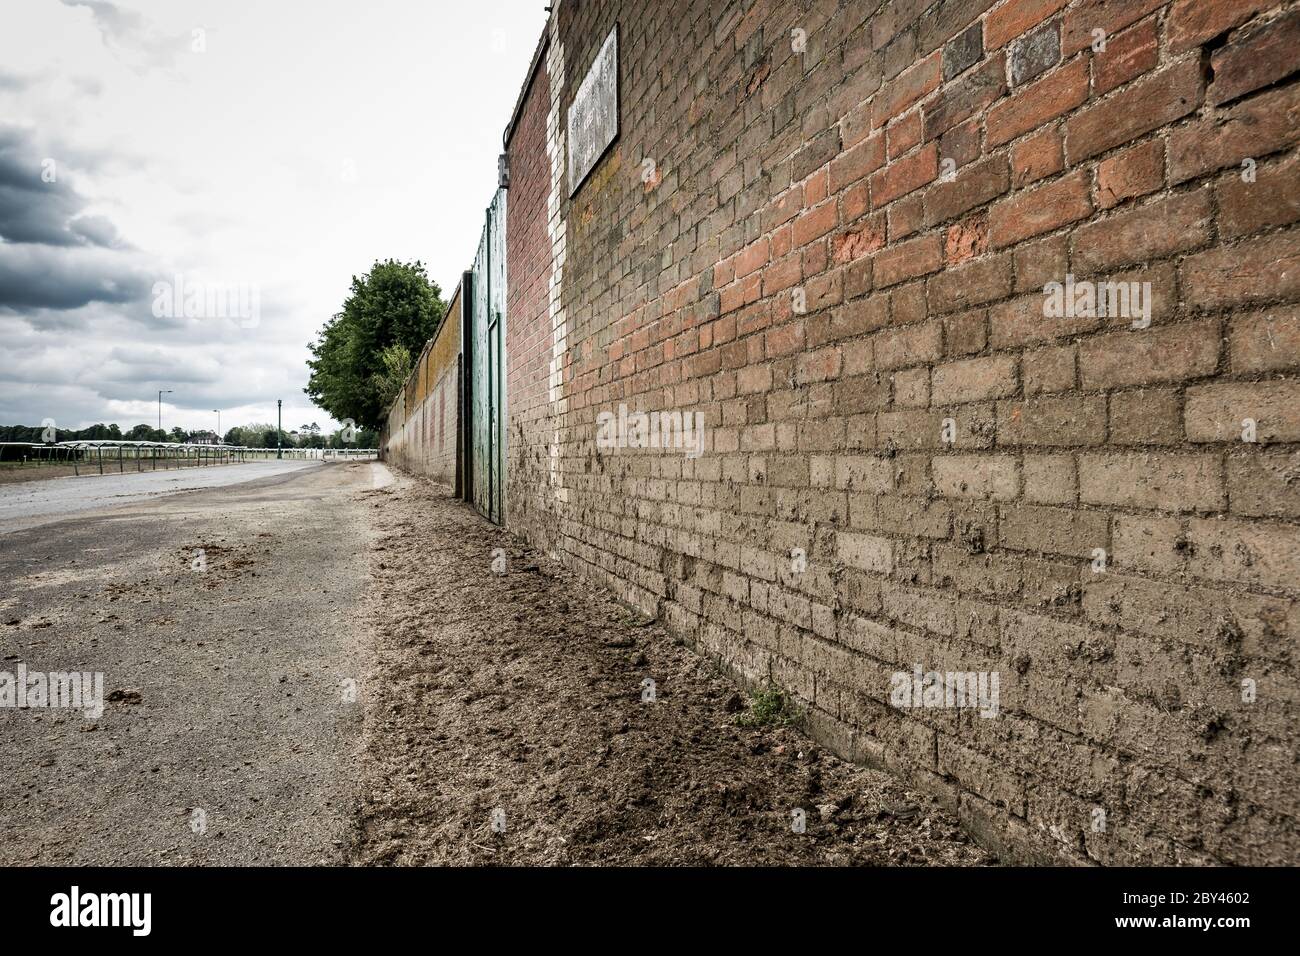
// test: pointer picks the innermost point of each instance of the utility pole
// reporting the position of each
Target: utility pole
(279, 453)
(161, 393)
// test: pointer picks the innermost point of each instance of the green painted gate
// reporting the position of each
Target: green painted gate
(487, 365)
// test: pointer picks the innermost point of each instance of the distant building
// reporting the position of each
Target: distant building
(204, 438)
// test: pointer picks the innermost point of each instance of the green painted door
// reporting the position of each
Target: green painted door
(487, 366)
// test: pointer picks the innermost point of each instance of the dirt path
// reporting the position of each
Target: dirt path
(31, 503)
(224, 684)
(505, 725)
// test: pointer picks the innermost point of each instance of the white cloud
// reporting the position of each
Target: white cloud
(228, 166)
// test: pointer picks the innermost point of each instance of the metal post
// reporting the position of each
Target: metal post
(278, 452)
(161, 393)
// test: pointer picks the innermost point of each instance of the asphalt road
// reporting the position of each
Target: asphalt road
(229, 733)
(30, 503)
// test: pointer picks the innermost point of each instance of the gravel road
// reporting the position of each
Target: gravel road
(320, 666)
(30, 503)
(226, 709)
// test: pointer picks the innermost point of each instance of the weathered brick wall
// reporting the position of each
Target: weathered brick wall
(422, 435)
(529, 343)
(839, 258)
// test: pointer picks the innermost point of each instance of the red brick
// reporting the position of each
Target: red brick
(907, 261)
(1273, 199)
(965, 333)
(1038, 263)
(781, 242)
(961, 144)
(971, 284)
(1149, 103)
(904, 175)
(907, 304)
(1049, 207)
(1128, 55)
(1191, 22)
(784, 340)
(1169, 225)
(855, 202)
(866, 238)
(1265, 341)
(1016, 17)
(1036, 157)
(964, 98)
(1134, 172)
(752, 258)
(973, 186)
(820, 366)
(816, 187)
(815, 223)
(1258, 270)
(905, 218)
(903, 133)
(780, 275)
(1044, 99)
(783, 208)
(856, 162)
(1255, 57)
(741, 293)
(1259, 126)
(907, 88)
(1172, 354)
(1107, 15)
(1021, 322)
(966, 239)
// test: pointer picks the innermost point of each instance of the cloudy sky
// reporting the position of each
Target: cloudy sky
(267, 151)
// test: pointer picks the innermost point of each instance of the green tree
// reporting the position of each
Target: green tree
(392, 309)
(144, 432)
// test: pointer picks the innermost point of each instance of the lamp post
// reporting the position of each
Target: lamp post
(161, 393)
(219, 438)
(279, 453)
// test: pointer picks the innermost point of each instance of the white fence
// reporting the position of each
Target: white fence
(98, 456)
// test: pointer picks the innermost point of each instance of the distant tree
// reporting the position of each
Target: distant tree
(178, 435)
(143, 432)
(392, 309)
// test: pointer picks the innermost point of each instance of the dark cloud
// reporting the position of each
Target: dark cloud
(34, 210)
(47, 277)
(96, 230)
(54, 254)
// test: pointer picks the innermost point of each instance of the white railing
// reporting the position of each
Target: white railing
(101, 455)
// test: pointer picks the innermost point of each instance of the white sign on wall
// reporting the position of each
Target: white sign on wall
(593, 116)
